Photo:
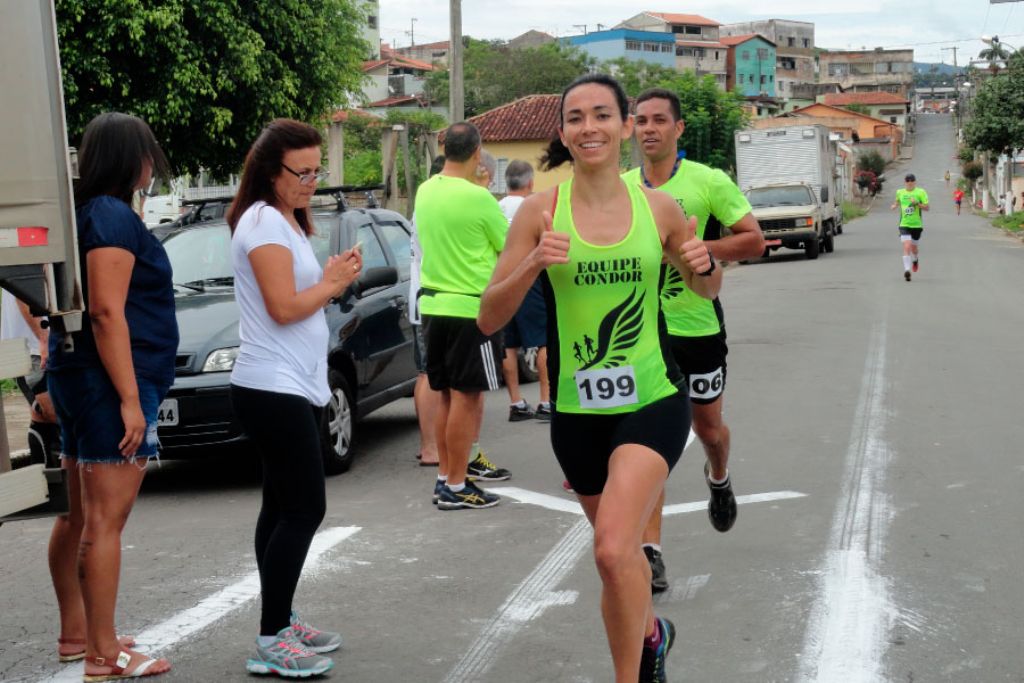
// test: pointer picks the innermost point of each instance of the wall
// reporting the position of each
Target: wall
(639, 46)
(754, 75)
(890, 70)
(530, 151)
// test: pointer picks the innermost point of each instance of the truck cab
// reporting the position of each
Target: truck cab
(791, 216)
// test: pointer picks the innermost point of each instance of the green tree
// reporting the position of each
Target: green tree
(871, 161)
(208, 74)
(994, 54)
(997, 111)
(712, 116)
(858, 108)
(972, 170)
(363, 163)
(495, 74)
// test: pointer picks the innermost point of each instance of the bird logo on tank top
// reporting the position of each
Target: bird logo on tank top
(618, 332)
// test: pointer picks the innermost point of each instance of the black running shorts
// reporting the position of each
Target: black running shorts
(460, 356)
(702, 360)
(912, 233)
(583, 443)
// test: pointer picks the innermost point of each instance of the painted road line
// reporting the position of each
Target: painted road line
(846, 634)
(163, 636)
(527, 602)
(683, 590)
(563, 504)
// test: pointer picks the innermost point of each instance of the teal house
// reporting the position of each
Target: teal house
(750, 65)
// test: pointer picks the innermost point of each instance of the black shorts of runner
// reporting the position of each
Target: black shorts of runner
(702, 360)
(528, 328)
(460, 356)
(913, 233)
(419, 348)
(584, 443)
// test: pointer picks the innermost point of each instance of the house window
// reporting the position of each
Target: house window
(762, 53)
(716, 55)
(791, 41)
(371, 21)
(498, 185)
(633, 45)
(745, 55)
(692, 30)
(762, 79)
(665, 47)
(807, 42)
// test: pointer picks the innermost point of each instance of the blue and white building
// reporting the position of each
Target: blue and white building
(624, 43)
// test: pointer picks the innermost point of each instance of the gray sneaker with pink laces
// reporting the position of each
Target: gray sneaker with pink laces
(313, 638)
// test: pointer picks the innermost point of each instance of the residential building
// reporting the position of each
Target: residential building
(935, 98)
(395, 81)
(531, 38)
(697, 41)
(869, 70)
(431, 53)
(881, 105)
(861, 131)
(794, 54)
(622, 43)
(371, 30)
(522, 130)
(804, 94)
(750, 65)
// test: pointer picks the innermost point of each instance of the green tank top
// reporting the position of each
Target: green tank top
(609, 349)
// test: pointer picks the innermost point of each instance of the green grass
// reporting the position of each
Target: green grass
(1013, 223)
(8, 386)
(852, 211)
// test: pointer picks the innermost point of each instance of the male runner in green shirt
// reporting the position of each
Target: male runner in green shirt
(911, 202)
(461, 230)
(696, 326)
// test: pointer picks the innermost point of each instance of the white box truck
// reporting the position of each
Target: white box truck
(38, 246)
(790, 177)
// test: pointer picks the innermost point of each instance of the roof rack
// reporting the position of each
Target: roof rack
(339, 192)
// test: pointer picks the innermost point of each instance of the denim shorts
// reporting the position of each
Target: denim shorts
(88, 410)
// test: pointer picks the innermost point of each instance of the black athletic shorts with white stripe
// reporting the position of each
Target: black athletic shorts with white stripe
(460, 356)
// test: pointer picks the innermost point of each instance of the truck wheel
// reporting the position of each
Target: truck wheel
(828, 243)
(337, 428)
(811, 248)
(839, 228)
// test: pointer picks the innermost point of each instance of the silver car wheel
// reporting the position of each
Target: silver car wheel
(340, 422)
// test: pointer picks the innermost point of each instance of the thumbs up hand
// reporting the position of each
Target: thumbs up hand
(553, 247)
(693, 252)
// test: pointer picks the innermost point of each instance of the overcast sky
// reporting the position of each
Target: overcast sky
(925, 25)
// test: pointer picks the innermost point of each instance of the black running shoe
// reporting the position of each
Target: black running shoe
(470, 497)
(906, 275)
(438, 485)
(659, 582)
(485, 470)
(519, 413)
(652, 662)
(722, 505)
(543, 412)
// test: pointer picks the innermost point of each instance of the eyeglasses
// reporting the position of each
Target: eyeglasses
(308, 178)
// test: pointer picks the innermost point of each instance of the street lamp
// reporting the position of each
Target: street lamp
(995, 42)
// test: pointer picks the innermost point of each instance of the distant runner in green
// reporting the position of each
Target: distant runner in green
(911, 202)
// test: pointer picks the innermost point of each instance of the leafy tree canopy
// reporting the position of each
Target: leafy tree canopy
(207, 75)
(997, 111)
(495, 74)
(712, 116)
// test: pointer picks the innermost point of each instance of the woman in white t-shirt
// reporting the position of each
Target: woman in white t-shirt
(279, 381)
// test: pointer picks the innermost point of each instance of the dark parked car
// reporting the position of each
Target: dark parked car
(370, 357)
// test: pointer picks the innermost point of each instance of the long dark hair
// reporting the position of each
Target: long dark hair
(263, 164)
(557, 153)
(114, 148)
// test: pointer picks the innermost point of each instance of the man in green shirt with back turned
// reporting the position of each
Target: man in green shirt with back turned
(696, 326)
(461, 230)
(911, 202)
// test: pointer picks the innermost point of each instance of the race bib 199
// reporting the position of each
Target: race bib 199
(707, 386)
(609, 388)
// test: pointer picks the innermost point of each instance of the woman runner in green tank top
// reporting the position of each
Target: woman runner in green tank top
(620, 419)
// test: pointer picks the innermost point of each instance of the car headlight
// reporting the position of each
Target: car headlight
(221, 360)
(805, 221)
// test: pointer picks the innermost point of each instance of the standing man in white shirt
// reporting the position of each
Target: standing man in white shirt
(528, 329)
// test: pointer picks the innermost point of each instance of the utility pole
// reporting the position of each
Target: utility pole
(456, 97)
(412, 32)
(582, 27)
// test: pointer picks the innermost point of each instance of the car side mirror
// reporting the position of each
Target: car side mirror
(372, 278)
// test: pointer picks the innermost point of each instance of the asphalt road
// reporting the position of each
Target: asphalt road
(876, 426)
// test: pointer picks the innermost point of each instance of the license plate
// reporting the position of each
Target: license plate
(167, 415)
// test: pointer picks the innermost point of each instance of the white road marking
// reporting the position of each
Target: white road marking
(529, 599)
(163, 636)
(563, 504)
(845, 637)
(681, 591)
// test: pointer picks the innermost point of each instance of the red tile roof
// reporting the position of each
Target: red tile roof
(534, 117)
(397, 61)
(692, 19)
(395, 101)
(732, 41)
(343, 115)
(838, 112)
(840, 99)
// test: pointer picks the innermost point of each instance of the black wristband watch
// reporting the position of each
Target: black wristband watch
(710, 270)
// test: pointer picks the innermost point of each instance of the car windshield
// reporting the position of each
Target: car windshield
(201, 256)
(779, 196)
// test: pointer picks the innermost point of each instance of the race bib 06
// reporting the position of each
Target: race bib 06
(707, 386)
(609, 388)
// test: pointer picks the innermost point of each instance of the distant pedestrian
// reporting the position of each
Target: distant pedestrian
(911, 201)
(486, 169)
(461, 230)
(958, 198)
(425, 399)
(107, 387)
(947, 176)
(528, 328)
(279, 380)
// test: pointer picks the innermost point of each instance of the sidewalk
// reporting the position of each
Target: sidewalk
(16, 412)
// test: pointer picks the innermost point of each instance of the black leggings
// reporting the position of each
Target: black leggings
(285, 429)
